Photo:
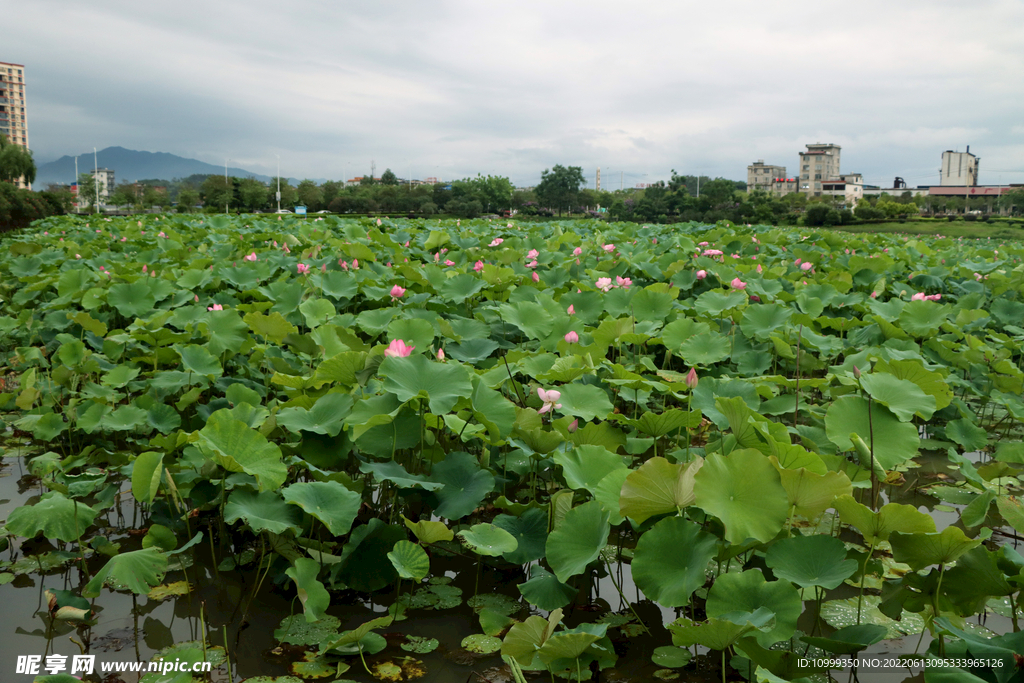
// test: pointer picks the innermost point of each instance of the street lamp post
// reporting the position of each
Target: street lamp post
(278, 183)
(96, 178)
(227, 197)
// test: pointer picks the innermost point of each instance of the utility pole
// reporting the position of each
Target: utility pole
(373, 170)
(78, 194)
(227, 197)
(598, 182)
(278, 183)
(620, 181)
(96, 178)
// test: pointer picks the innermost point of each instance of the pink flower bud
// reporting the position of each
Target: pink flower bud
(572, 337)
(440, 354)
(691, 378)
(573, 426)
(571, 310)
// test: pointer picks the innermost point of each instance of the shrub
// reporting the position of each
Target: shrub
(816, 215)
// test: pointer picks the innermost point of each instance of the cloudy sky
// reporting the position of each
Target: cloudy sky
(451, 88)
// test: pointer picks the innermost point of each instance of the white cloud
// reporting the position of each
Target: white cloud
(453, 88)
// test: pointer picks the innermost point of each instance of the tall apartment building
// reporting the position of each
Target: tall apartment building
(959, 169)
(760, 175)
(13, 122)
(819, 163)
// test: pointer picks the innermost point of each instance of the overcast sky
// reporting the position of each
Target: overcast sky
(450, 89)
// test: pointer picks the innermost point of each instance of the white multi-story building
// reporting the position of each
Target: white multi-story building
(761, 176)
(959, 169)
(13, 120)
(819, 163)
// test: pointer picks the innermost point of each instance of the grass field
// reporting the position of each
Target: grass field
(949, 229)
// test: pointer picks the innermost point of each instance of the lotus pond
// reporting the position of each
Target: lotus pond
(402, 450)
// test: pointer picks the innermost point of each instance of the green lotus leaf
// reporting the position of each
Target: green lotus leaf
(967, 434)
(297, 631)
(809, 493)
(461, 287)
(414, 332)
(427, 531)
(124, 418)
(271, 327)
(578, 540)
(530, 530)
(237, 448)
(198, 360)
(163, 418)
(761, 320)
(545, 591)
(811, 561)
(748, 592)
(921, 550)
(139, 571)
(146, 474)
(160, 537)
(658, 487)
(715, 303)
(530, 317)
(341, 368)
(488, 539)
(586, 466)
(329, 501)
(671, 656)
(653, 304)
(397, 475)
(364, 564)
(895, 441)
(706, 348)
(132, 300)
(904, 398)
(325, 417)
(49, 425)
(314, 597)
(316, 312)
(524, 639)
(584, 401)
(339, 285)
(56, 516)
(419, 644)
(481, 644)
(472, 350)
(923, 318)
(721, 633)
(465, 485)
(492, 622)
(571, 643)
(743, 489)
(264, 511)
(119, 376)
(678, 331)
(493, 410)
(225, 331)
(877, 526)
(409, 560)
(660, 424)
(670, 559)
(843, 613)
(442, 384)
(849, 640)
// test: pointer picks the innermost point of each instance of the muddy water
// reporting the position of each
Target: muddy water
(135, 628)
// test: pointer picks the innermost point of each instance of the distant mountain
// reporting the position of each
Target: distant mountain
(131, 165)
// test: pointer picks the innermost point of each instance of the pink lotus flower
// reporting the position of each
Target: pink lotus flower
(572, 337)
(691, 378)
(478, 266)
(573, 426)
(378, 221)
(532, 264)
(197, 298)
(759, 269)
(124, 239)
(80, 256)
(440, 354)
(397, 292)
(323, 268)
(738, 284)
(797, 262)
(933, 297)
(701, 274)
(437, 257)
(302, 268)
(550, 398)
(496, 242)
(712, 252)
(608, 247)
(287, 250)
(918, 297)
(874, 295)
(159, 234)
(536, 277)
(215, 307)
(734, 255)
(806, 265)
(577, 251)
(398, 349)
(623, 282)
(755, 298)
(447, 262)
(532, 254)
(703, 244)
(571, 310)
(144, 269)
(604, 283)
(654, 241)
(251, 257)
(355, 264)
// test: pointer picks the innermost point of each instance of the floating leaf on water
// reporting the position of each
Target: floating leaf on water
(315, 665)
(295, 630)
(667, 674)
(497, 602)
(168, 590)
(481, 644)
(671, 656)
(843, 613)
(419, 644)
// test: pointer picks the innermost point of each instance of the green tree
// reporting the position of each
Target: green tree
(1013, 201)
(154, 197)
(15, 162)
(493, 192)
(217, 192)
(187, 200)
(559, 187)
(125, 194)
(252, 194)
(310, 195)
(330, 190)
(87, 186)
(388, 177)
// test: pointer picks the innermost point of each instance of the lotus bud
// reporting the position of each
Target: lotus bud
(856, 372)
(440, 354)
(574, 425)
(572, 337)
(691, 378)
